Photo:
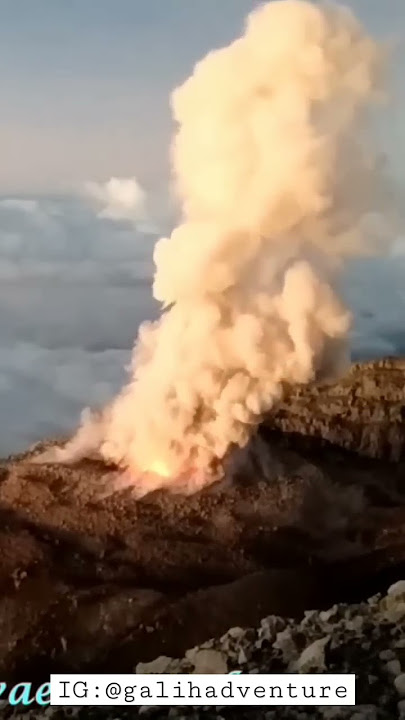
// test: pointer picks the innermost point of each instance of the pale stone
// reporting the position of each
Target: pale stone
(393, 667)
(158, 666)
(207, 661)
(286, 644)
(236, 632)
(397, 588)
(399, 683)
(313, 657)
(387, 655)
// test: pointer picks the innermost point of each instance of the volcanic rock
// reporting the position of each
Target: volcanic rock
(311, 514)
(364, 412)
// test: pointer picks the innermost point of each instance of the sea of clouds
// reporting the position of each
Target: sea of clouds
(75, 283)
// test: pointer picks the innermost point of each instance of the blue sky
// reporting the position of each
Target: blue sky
(86, 83)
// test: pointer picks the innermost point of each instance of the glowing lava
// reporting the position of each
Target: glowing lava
(158, 467)
(158, 475)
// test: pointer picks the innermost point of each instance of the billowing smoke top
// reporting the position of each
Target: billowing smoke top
(276, 183)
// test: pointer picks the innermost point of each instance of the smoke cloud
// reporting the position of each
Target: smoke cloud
(278, 184)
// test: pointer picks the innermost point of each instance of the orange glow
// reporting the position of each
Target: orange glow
(158, 467)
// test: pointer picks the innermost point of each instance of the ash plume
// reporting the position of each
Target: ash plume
(278, 184)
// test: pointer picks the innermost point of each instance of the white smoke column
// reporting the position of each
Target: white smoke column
(276, 182)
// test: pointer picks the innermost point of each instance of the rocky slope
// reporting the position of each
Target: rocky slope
(312, 513)
(367, 639)
(364, 412)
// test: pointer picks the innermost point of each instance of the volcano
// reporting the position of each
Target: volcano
(311, 513)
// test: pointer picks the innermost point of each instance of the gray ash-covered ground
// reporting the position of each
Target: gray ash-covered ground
(312, 514)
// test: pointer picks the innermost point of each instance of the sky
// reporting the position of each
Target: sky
(86, 83)
(85, 128)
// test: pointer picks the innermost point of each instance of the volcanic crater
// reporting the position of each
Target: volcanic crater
(311, 513)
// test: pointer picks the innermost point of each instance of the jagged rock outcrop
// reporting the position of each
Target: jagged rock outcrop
(363, 412)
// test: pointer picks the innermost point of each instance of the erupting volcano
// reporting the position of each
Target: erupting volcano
(278, 183)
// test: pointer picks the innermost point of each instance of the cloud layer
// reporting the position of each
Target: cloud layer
(74, 288)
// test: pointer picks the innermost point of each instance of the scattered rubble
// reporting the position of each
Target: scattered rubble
(367, 639)
(314, 519)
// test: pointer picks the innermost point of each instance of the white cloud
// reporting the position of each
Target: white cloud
(74, 288)
(120, 199)
(43, 392)
(66, 237)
